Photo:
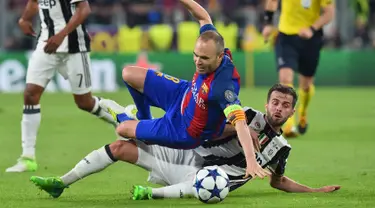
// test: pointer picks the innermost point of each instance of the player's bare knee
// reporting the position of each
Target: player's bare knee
(124, 151)
(128, 74)
(305, 82)
(32, 94)
(134, 76)
(30, 98)
(127, 129)
(120, 148)
(122, 129)
(116, 148)
(286, 76)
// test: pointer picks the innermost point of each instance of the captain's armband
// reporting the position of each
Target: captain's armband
(234, 113)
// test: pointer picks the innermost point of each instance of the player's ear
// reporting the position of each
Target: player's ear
(221, 55)
(292, 113)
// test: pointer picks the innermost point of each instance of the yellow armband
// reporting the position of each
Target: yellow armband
(234, 113)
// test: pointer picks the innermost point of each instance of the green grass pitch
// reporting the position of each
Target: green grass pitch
(337, 149)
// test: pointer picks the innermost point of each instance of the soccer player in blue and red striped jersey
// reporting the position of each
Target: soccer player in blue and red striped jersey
(195, 111)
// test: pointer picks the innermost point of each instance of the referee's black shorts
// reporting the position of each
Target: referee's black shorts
(301, 55)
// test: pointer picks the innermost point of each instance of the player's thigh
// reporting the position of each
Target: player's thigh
(310, 56)
(165, 131)
(77, 70)
(167, 166)
(41, 68)
(155, 131)
(286, 51)
(163, 90)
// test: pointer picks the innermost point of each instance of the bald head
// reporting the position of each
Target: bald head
(215, 37)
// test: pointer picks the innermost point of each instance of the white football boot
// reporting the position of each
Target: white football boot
(23, 165)
(114, 109)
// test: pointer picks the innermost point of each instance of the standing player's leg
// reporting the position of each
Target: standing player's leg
(305, 93)
(77, 69)
(309, 61)
(41, 69)
(287, 62)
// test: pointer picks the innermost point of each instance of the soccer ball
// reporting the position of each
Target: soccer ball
(211, 185)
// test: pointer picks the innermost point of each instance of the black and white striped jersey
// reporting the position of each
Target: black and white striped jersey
(228, 153)
(54, 15)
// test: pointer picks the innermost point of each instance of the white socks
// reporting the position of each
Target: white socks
(174, 191)
(29, 127)
(94, 162)
(100, 113)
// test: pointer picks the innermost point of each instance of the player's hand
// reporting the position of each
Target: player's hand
(267, 31)
(253, 169)
(53, 43)
(26, 27)
(305, 33)
(327, 189)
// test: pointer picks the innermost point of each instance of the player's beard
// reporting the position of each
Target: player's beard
(205, 70)
(275, 123)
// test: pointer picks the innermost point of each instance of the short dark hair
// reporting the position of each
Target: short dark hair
(285, 90)
(214, 36)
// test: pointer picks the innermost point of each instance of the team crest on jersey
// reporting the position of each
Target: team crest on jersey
(229, 96)
(263, 139)
(204, 88)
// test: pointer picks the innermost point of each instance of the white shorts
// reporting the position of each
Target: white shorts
(74, 67)
(168, 166)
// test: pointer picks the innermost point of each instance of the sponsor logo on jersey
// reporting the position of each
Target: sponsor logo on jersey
(198, 99)
(46, 4)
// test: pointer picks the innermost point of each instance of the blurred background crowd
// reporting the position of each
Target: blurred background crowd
(127, 20)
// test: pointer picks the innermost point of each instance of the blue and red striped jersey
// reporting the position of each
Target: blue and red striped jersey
(207, 97)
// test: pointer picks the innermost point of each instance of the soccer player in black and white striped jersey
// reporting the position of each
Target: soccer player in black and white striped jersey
(175, 168)
(63, 46)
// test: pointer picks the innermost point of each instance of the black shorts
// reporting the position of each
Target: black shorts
(299, 54)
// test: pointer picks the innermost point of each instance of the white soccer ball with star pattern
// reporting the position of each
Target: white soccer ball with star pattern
(211, 185)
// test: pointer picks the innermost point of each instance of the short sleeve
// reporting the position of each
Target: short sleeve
(207, 27)
(225, 95)
(279, 167)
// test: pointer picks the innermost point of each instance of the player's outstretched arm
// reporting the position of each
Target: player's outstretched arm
(237, 117)
(327, 15)
(286, 184)
(82, 12)
(197, 11)
(24, 22)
